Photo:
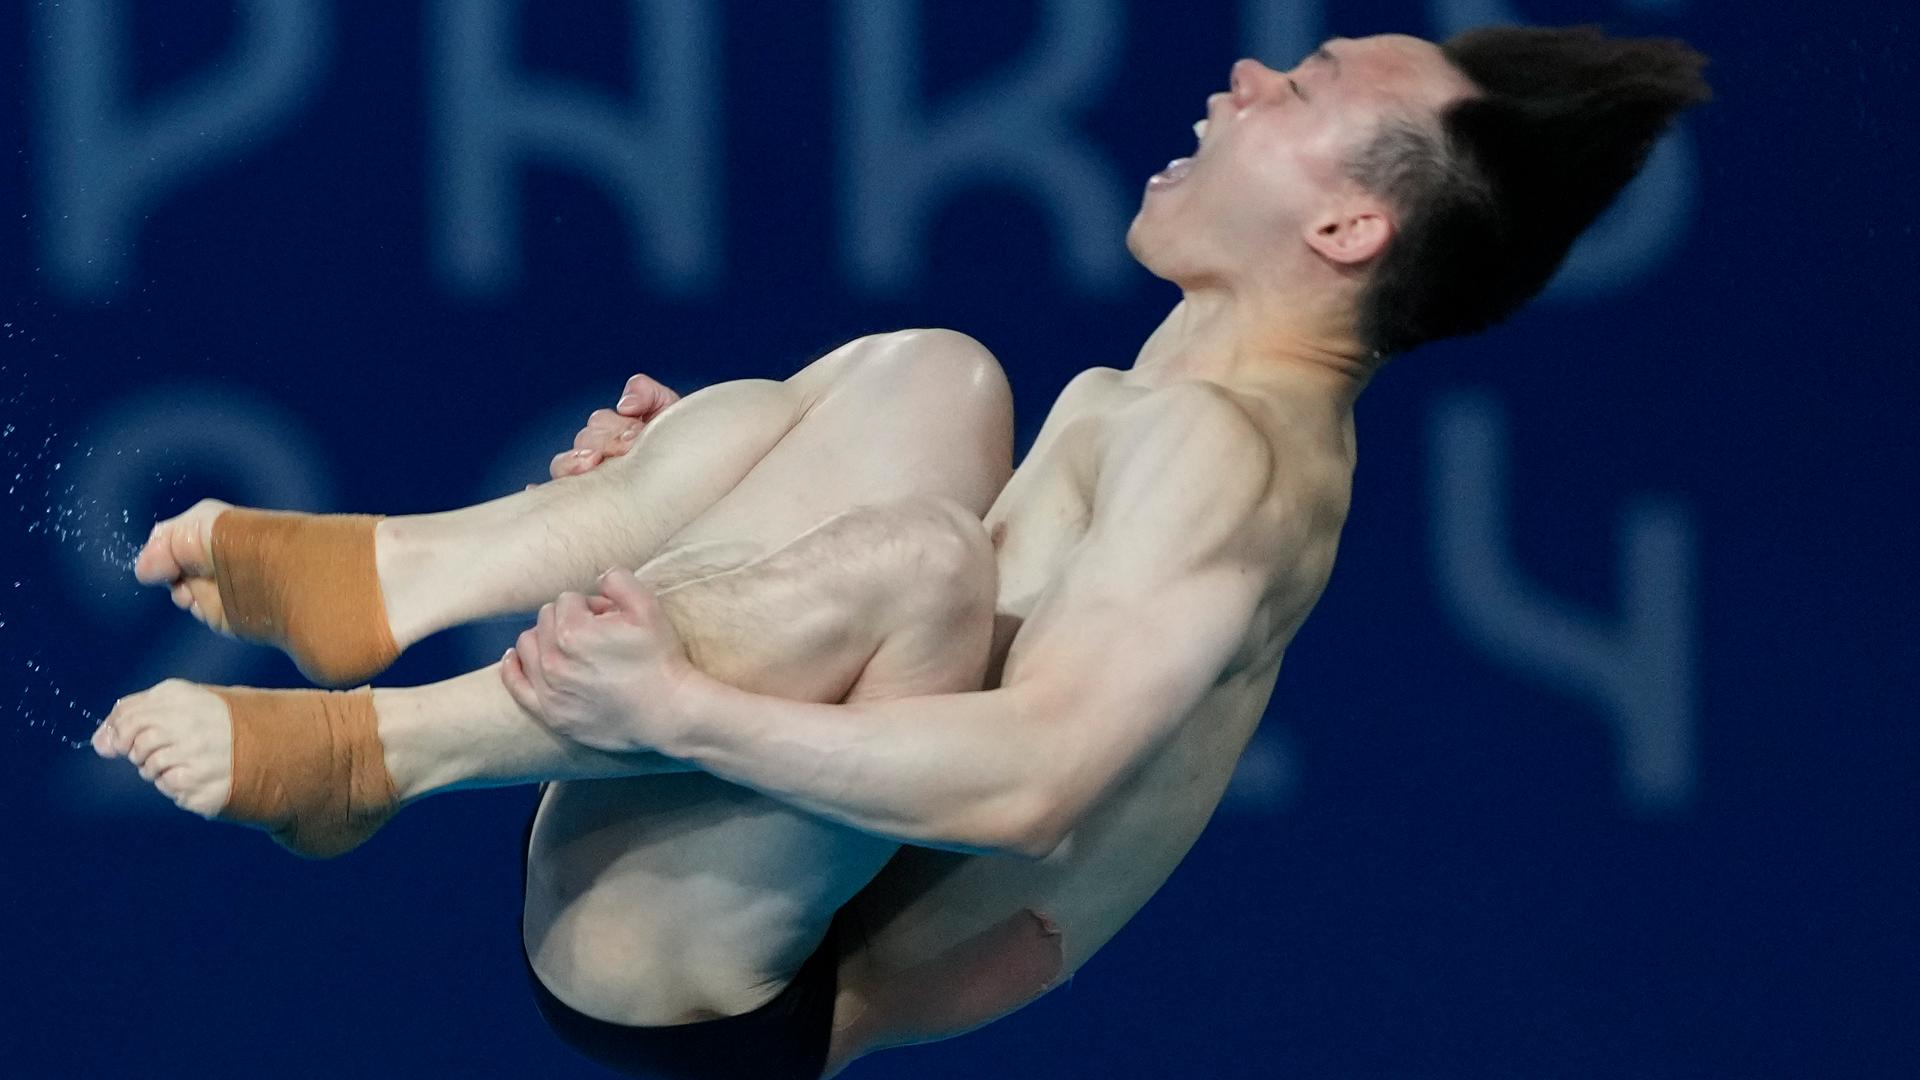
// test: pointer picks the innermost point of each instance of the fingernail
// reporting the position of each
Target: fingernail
(628, 402)
(582, 453)
(627, 435)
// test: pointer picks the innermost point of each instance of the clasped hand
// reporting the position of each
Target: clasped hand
(606, 671)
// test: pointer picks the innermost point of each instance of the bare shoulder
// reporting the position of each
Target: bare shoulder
(1188, 462)
(1196, 433)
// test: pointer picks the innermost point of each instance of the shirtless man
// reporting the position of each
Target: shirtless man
(827, 653)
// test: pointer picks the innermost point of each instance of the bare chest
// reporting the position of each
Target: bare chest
(1036, 524)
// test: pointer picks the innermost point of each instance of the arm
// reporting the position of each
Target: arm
(1118, 651)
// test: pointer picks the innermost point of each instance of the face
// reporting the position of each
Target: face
(1268, 187)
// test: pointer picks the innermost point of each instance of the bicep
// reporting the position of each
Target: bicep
(1112, 679)
(1153, 607)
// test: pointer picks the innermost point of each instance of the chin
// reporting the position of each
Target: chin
(1147, 250)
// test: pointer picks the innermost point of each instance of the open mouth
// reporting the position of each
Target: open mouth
(1178, 169)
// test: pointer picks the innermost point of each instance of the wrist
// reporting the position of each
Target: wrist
(687, 712)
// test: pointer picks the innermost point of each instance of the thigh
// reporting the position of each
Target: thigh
(925, 412)
(676, 897)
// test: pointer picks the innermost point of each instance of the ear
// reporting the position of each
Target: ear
(1353, 235)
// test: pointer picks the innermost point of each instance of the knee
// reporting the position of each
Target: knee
(943, 369)
(945, 568)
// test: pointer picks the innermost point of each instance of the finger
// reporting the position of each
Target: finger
(515, 677)
(644, 398)
(666, 398)
(613, 443)
(624, 590)
(609, 433)
(636, 396)
(545, 631)
(527, 650)
(606, 420)
(572, 463)
(599, 605)
(570, 617)
(182, 596)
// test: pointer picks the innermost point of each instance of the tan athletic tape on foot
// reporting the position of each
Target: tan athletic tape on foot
(308, 765)
(306, 583)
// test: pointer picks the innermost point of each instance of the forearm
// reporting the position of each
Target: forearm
(953, 771)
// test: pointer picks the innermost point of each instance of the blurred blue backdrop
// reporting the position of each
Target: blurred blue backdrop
(1595, 761)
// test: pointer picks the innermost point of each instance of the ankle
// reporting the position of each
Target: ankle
(418, 766)
(405, 556)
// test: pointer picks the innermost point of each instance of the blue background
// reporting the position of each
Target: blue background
(1434, 863)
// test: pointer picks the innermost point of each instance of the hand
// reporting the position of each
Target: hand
(611, 432)
(608, 672)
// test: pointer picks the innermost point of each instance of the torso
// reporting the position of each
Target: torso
(923, 909)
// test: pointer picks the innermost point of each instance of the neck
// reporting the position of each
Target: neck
(1215, 336)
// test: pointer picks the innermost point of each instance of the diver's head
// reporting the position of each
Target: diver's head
(1402, 191)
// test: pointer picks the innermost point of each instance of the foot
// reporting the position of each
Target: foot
(307, 584)
(180, 738)
(305, 765)
(179, 556)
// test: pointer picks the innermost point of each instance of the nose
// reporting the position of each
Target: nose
(1246, 79)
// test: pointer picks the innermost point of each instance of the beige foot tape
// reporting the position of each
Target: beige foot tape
(307, 584)
(308, 765)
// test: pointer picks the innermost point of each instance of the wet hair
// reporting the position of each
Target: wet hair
(1493, 197)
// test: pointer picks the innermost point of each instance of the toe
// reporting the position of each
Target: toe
(155, 765)
(143, 747)
(156, 565)
(127, 729)
(180, 547)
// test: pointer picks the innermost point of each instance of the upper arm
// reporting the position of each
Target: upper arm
(1155, 602)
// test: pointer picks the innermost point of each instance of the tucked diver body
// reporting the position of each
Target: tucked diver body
(882, 740)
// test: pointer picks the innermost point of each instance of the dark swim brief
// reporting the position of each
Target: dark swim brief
(785, 1039)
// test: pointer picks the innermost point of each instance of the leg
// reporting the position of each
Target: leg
(920, 395)
(933, 420)
(679, 898)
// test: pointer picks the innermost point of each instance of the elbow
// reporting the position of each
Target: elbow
(1039, 832)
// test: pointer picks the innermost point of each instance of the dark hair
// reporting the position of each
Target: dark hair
(1493, 199)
